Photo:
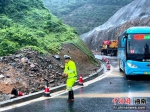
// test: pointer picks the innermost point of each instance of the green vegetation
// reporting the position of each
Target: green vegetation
(84, 15)
(28, 24)
(84, 48)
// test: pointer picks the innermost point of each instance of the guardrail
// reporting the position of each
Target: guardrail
(52, 90)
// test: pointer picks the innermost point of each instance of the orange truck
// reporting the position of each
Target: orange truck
(109, 47)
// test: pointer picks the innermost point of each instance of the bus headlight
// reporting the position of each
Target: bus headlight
(131, 65)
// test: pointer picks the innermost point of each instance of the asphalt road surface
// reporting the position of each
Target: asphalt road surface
(110, 92)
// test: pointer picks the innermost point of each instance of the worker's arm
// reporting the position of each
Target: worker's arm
(65, 71)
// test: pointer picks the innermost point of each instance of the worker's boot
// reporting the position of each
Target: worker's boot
(70, 96)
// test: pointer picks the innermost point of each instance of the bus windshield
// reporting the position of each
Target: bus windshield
(138, 44)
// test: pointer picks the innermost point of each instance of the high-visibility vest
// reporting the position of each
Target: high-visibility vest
(70, 69)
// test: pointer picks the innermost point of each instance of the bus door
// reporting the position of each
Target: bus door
(122, 53)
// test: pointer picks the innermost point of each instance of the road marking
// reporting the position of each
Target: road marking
(110, 95)
(53, 95)
(95, 80)
(57, 94)
(114, 72)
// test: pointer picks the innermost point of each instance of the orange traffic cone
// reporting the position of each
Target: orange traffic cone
(102, 58)
(80, 80)
(108, 66)
(107, 62)
(20, 93)
(47, 90)
(105, 59)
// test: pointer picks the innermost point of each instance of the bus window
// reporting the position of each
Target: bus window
(123, 43)
(138, 45)
(146, 49)
(128, 46)
(132, 50)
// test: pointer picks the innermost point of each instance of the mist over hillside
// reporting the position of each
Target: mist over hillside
(134, 14)
(84, 15)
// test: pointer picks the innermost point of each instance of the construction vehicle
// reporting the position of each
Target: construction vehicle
(109, 47)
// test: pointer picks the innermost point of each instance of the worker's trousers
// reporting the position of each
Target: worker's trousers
(70, 95)
(70, 83)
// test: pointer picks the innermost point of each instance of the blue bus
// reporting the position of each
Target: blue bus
(134, 51)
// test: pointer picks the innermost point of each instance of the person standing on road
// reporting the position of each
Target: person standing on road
(71, 73)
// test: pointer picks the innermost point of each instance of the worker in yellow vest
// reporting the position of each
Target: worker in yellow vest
(71, 73)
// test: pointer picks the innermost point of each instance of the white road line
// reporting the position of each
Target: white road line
(111, 95)
(53, 95)
(56, 94)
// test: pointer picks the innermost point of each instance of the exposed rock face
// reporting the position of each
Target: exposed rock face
(134, 14)
(27, 70)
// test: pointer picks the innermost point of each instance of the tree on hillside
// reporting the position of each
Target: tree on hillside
(76, 13)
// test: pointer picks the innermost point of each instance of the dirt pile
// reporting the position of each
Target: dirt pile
(27, 69)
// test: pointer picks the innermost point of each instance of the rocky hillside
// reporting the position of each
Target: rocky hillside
(84, 15)
(27, 69)
(30, 37)
(134, 14)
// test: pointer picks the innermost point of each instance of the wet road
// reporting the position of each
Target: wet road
(110, 92)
